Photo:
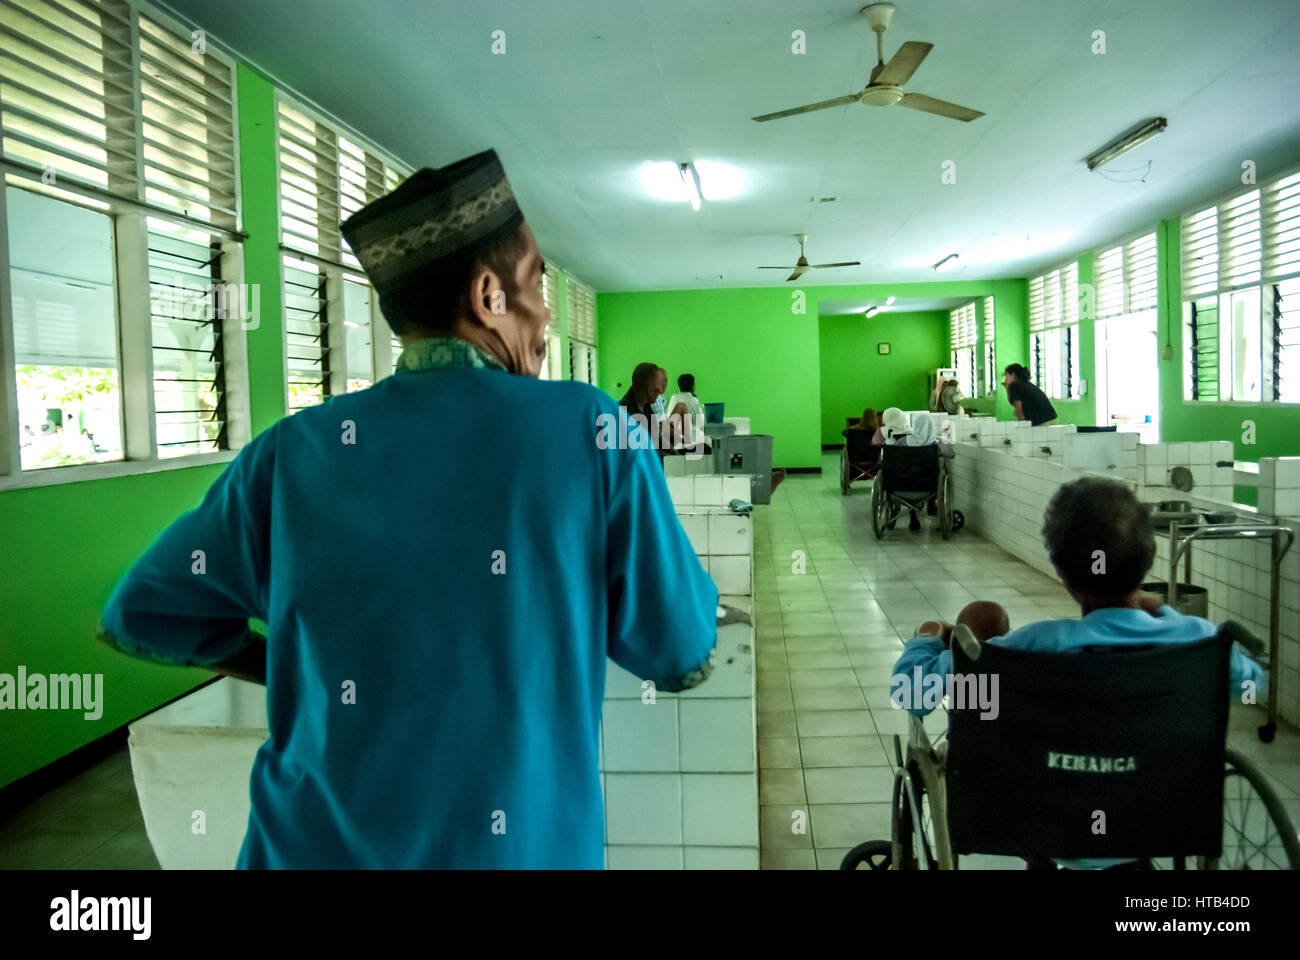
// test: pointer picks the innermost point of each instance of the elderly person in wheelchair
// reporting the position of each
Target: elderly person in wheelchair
(1102, 759)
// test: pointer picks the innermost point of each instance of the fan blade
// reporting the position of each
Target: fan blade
(798, 272)
(903, 64)
(823, 266)
(809, 108)
(773, 268)
(919, 101)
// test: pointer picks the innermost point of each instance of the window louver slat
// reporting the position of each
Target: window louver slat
(67, 92)
(1280, 216)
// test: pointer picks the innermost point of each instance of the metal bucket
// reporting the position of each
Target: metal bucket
(1193, 601)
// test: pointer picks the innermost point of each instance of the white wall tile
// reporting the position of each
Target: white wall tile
(641, 737)
(731, 575)
(720, 809)
(643, 808)
(717, 736)
(644, 858)
(736, 488)
(721, 858)
(730, 535)
(708, 491)
(681, 490)
(696, 526)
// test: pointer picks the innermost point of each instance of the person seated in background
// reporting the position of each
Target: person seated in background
(640, 397)
(686, 417)
(924, 432)
(1086, 519)
(1029, 402)
(893, 425)
(660, 406)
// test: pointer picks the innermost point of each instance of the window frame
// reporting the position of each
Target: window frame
(1265, 269)
(1055, 307)
(129, 216)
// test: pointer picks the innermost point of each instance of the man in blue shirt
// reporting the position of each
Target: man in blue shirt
(444, 562)
(1099, 539)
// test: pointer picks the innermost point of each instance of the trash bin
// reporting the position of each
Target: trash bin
(749, 453)
(1193, 601)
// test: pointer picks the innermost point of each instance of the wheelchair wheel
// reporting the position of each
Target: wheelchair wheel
(874, 854)
(945, 504)
(879, 507)
(844, 471)
(1257, 833)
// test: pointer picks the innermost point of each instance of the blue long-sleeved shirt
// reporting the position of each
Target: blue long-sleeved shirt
(444, 562)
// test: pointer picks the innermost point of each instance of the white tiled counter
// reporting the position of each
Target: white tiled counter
(1003, 496)
(680, 771)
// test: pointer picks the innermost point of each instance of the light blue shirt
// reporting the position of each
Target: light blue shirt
(444, 562)
(1108, 626)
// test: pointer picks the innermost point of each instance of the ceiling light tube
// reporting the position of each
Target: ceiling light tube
(691, 181)
(1126, 141)
(947, 263)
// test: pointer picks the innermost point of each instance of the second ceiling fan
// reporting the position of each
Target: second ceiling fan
(885, 89)
(803, 266)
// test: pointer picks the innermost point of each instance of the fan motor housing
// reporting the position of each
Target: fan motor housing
(882, 96)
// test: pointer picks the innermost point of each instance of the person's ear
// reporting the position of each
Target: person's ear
(487, 299)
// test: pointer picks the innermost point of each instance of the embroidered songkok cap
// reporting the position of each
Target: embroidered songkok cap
(433, 215)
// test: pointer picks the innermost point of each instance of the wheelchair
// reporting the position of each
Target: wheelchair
(859, 457)
(1111, 753)
(911, 478)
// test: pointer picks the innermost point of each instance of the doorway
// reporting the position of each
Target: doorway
(1128, 395)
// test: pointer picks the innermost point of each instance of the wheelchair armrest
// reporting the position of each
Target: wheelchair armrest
(1239, 634)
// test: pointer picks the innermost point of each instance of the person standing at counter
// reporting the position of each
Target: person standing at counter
(444, 561)
(1030, 403)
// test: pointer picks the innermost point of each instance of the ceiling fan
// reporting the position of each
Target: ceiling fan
(886, 86)
(803, 266)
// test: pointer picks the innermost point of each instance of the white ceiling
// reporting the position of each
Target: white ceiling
(588, 90)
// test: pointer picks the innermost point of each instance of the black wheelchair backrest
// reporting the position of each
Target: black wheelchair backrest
(858, 444)
(910, 468)
(1098, 754)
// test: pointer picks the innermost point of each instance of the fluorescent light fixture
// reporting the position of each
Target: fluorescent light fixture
(947, 263)
(352, 323)
(1126, 141)
(691, 181)
(889, 301)
(871, 311)
(708, 179)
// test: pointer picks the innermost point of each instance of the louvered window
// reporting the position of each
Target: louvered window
(327, 174)
(990, 354)
(1125, 277)
(1240, 258)
(190, 306)
(962, 334)
(1054, 332)
(306, 333)
(110, 105)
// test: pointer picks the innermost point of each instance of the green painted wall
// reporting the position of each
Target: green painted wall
(854, 375)
(64, 549)
(259, 184)
(749, 347)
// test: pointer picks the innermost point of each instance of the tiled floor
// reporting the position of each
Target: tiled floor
(827, 637)
(832, 606)
(92, 822)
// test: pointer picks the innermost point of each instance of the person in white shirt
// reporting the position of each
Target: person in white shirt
(685, 415)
